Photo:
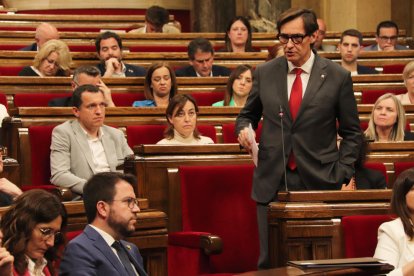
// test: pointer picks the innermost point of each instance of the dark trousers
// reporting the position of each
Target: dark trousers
(294, 184)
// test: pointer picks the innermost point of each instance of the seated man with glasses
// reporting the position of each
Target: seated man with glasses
(386, 37)
(201, 59)
(320, 36)
(85, 146)
(111, 209)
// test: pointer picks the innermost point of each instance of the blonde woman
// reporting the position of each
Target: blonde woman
(52, 60)
(387, 121)
(408, 76)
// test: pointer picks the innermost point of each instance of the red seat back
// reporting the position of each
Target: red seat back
(378, 167)
(40, 140)
(158, 48)
(399, 167)
(216, 199)
(393, 69)
(360, 234)
(10, 70)
(127, 99)
(208, 130)
(207, 98)
(371, 96)
(36, 99)
(230, 137)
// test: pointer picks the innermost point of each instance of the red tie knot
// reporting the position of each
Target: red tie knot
(298, 71)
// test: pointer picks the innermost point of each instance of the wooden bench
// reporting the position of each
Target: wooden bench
(307, 225)
(150, 235)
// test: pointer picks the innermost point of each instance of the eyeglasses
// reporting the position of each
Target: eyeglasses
(130, 201)
(388, 38)
(94, 106)
(49, 232)
(296, 38)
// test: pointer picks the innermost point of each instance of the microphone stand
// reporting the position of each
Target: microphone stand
(281, 115)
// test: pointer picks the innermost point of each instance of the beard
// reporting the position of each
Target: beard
(121, 228)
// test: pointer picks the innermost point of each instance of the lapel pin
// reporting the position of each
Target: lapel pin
(128, 246)
(130, 70)
(322, 76)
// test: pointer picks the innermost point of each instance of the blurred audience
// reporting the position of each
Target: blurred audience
(44, 32)
(201, 59)
(160, 85)
(386, 38)
(408, 76)
(238, 87)
(8, 190)
(275, 51)
(321, 33)
(387, 121)
(395, 238)
(32, 232)
(109, 48)
(156, 21)
(52, 60)
(349, 47)
(182, 122)
(238, 37)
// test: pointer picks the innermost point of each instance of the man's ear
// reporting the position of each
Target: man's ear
(191, 62)
(102, 209)
(313, 37)
(75, 111)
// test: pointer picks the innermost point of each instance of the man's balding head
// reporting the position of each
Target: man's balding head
(44, 33)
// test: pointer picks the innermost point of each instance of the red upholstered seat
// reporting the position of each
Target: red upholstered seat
(371, 96)
(36, 99)
(81, 48)
(207, 98)
(360, 234)
(393, 69)
(158, 48)
(10, 70)
(229, 136)
(151, 134)
(126, 99)
(11, 47)
(215, 200)
(40, 138)
(399, 167)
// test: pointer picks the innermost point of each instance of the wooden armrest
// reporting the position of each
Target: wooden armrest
(64, 194)
(211, 244)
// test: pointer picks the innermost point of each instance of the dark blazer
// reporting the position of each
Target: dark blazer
(362, 70)
(312, 136)
(189, 71)
(27, 71)
(31, 47)
(131, 70)
(374, 47)
(89, 254)
(369, 179)
(61, 102)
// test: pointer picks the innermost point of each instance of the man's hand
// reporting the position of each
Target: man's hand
(107, 93)
(244, 139)
(113, 65)
(350, 187)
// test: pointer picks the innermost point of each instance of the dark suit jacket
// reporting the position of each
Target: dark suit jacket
(131, 70)
(27, 71)
(362, 70)
(369, 179)
(89, 254)
(312, 136)
(61, 102)
(189, 71)
(31, 47)
(374, 47)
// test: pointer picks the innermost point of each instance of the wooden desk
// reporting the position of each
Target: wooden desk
(156, 167)
(150, 235)
(307, 225)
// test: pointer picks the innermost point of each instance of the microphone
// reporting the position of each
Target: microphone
(281, 115)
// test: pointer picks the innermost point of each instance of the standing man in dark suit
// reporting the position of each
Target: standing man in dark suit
(111, 208)
(386, 37)
(201, 59)
(350, 45)
(109, 48)
(44, 33)
(309, 94)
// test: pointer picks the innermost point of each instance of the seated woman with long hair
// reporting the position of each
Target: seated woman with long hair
(32, 232)
(160, 85)
(408, 76)
(52, 60)
(387, 121)
(238, 37)
(182, 122)
(239, 85)
(396, 238)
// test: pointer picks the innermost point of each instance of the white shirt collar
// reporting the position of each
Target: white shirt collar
(36, 268)
(100, 133)
(306, 67)
(108, 238)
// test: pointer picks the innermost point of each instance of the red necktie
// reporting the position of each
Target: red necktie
(294, 104)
